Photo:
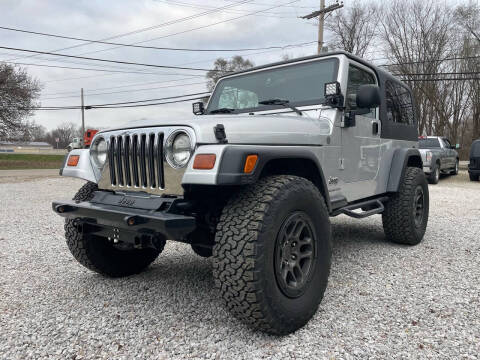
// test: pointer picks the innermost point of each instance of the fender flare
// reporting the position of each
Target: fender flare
(402, 158)
(84, 169)
(230, 171)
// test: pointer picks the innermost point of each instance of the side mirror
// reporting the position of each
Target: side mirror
(368, 97)
(198, 108)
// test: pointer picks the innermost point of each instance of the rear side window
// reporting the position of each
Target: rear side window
(399, 103)
(428, 143)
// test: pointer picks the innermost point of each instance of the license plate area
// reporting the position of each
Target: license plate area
(131, 201)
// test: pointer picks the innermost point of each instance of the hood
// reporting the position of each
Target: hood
(252, 129)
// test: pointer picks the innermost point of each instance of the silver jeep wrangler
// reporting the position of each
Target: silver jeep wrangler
(252, 181)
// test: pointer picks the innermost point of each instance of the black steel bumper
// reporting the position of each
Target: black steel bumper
(132, 214)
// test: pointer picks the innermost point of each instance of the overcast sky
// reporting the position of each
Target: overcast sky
(106, 18)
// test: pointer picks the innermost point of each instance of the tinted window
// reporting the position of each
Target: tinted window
(301, 84)
(447, 143)
(399, 103)
(357, 77)
(428, 143)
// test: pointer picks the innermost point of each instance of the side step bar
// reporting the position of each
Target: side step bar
(375, 206)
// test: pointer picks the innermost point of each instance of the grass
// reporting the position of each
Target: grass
(30, 161)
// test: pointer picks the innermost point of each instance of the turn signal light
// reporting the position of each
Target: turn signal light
(204, 161)
(73, 160)
(250, 163)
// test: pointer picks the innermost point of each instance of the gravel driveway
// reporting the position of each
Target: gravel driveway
(383, 300)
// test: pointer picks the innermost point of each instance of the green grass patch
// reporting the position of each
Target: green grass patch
(30, 161)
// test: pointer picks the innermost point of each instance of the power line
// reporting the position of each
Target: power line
(100, 70)
(105, 60)
(197, 28)
(432, 60)
(119, 86)
(204, 7)
(440, 73)
(444, 79)
(204, 93)
(140, 46)
(126, 91)
(171, 22)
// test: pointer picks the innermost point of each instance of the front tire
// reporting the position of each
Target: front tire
(455, 169)
(98, 254)
(405, 216)
(272, 253)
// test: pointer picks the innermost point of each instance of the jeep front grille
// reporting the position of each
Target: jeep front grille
(136, 160)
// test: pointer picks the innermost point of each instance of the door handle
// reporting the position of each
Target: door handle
(374, 128)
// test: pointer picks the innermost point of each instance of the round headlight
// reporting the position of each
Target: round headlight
(179, 149)
(98, 152)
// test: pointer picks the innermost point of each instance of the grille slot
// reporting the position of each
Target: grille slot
(137, 161)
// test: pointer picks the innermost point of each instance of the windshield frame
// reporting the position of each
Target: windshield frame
(265, 69)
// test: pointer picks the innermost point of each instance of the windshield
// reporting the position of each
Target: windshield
(428, 143)
(301, 84)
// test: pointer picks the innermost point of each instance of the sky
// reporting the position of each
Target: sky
(107, 18)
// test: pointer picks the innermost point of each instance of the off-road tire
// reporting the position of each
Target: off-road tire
(455, 169)
(434, 176)
(244, 255)
(98, 254)
(473, 177)
(204, 252)
(398, 217)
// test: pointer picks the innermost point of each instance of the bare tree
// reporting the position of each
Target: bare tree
(417, 36)
(65, 133)
(468, 16)
(18, 95)
(353, 28)
(222, 67)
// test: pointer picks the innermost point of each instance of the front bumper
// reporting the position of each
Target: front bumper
(474, 171)
(118, 213)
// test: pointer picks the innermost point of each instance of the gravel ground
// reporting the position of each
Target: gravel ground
(383, 300)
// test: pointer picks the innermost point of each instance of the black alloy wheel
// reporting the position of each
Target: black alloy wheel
(295, 254)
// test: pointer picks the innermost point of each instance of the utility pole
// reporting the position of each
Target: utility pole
(83, 122)
(321, 19)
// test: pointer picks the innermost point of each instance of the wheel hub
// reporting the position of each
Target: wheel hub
(419, 206)
(295, 254)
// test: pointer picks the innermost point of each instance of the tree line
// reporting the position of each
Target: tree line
(433, 46)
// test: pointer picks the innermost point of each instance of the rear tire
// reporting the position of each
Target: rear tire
(272, 253)
(473, 177)
(405, 216)
(434, 176)
(98, 254)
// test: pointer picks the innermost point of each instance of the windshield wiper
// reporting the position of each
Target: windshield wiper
(281, 102)
(222, 111)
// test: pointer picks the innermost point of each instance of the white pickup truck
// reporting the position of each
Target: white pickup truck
(438, 156)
